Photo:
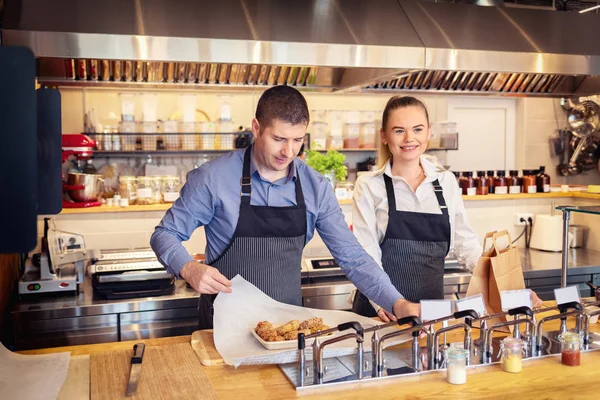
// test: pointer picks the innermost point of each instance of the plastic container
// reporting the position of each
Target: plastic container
(189, 141)
(149, 137)
(127, 107)
(128, 188)
(468, 185)
(570, 353)
(351, 135)
(170, 189)
(501, 183)
(171, 141)
(481, 184)
(512, 355)
(542, 181)
(368, 135)
(514, 182)
(207, 141)
(145, 190)
(319, 135)
(456, 374)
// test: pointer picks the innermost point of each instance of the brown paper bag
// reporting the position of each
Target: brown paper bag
(498, 269)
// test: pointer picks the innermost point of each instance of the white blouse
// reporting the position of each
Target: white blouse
(370, 210)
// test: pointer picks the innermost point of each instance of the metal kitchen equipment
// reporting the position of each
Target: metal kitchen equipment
(404, 45)
(564, 312)
(80, 190)
(129, 273)
(59, 267)
(584, 119)
(436, 355)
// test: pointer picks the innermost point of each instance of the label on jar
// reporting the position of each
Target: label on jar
(546, 188)
(532, 189)
(513, 189)
(501, 189)
(170, 197)
(144, 193)
(471, 191)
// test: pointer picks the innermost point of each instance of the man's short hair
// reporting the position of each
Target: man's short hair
(283, 103)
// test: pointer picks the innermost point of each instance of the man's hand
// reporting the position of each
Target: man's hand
(386, 316)
(204, 278)
(535, 300)
(404, 308)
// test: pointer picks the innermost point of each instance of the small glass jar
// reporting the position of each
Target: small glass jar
(512, 354)
(344, 190)
(145, 190)
(501, 183)
(514, 182)
(170, 189)
(468, 184)
(157, 184)
(128, 188)
(456, 373)
(542, 181)
(570, 353)
(481, 183)
(490, 181)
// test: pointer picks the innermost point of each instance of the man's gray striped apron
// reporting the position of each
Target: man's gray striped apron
(266, 248)
(413, 251)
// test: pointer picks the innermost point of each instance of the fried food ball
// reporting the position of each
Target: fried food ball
(263, 325)
(310, 323)
(279, 338)
(288, 327)
(293, 335)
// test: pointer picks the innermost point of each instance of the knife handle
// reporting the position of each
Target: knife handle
(138, 353)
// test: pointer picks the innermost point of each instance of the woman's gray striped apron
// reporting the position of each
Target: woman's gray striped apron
(266, 248)
(412, 251)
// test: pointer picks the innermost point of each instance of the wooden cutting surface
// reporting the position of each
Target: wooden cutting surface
(204, 347)
(168, 372)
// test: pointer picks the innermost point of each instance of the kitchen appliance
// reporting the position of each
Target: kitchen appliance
(547, 233)
(404, 45)
(577, 235)
(59, 267)
(80, 190)
(595, 288)
(129, 273)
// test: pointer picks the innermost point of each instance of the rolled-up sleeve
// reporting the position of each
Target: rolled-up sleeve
(194, 208)
(356, 263)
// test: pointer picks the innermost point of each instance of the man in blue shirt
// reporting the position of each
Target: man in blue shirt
(259, 207)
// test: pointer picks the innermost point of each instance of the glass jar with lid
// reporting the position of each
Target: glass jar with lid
(456, 373)
(468, 184)
(145, 190)
(514, 182)
(171, 189)
(481, 183)
(570, 350)
(529, 181)
(512, 354)
(501, 183)
(490, 181)
(128, 188)
(157, 183)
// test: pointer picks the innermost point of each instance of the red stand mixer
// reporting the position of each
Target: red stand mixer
(80, 190)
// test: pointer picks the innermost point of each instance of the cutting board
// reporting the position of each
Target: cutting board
(168, 372)
(204, 347)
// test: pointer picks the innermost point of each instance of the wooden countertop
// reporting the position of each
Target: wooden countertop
(165, 207)
(541, 378)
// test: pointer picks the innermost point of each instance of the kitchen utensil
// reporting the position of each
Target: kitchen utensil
(584, 118)
(562, 168)
(84, 187)
(595, 288)
(136, 367)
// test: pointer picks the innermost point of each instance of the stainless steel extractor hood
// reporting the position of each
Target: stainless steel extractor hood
(331, 45)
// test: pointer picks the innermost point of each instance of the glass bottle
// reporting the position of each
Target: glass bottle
(145, 193)
(529, 181)
(171, 189)
(542, 181)
(468, 184)
(456, 373)
(157, 189)
(514, 183)
(570, 353)
(481, 183)
(501, 183)
(490, 181)
(128, 188)
(512, 354)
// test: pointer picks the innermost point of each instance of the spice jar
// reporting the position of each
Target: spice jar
(157, 189)
(542, 181)
(145, 193)
(529, 181)
(481, 183)
(468, 184)
(501, 183)
(490, 181)
(512, 354)
(570, 353)
(128, 188)
(514, 182)
(456, 373)
(170, 189)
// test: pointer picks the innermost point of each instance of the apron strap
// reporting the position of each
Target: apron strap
(246, 182)
(439, 193)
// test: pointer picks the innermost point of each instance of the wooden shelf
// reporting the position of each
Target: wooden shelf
(551, 195)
